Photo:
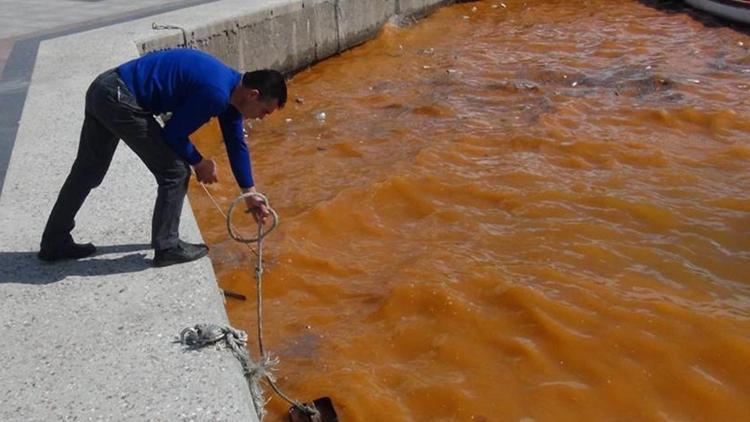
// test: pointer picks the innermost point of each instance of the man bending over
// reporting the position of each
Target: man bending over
(121, 104)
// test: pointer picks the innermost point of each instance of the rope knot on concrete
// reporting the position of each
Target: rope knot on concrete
(225, 336)
(202, 335)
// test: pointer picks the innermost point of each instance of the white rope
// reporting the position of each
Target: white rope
(261, 234)
(261, 370)
(225, 336)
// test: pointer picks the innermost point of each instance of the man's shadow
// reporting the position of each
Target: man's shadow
(26, 268)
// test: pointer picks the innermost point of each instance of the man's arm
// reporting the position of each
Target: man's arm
(230, 122)
(239, 157)
(194, 112)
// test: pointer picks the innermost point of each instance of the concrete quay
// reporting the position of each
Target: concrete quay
(94, 339)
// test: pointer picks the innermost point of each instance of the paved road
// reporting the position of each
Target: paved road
(25, 23)
(21, 18)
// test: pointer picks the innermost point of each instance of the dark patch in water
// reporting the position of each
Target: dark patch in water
(304, 346)
(629, 80)
(543, 106)
(636, 80)
(741, 66)
(517, 85)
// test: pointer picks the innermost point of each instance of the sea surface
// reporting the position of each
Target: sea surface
(511, 211)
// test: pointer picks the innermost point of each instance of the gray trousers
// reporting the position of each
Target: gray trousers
(112, 113)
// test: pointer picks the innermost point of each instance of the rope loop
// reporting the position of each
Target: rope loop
(230, 227)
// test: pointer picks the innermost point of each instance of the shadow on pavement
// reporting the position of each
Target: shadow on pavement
(26, 268)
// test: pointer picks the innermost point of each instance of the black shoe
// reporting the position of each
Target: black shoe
(183, 252)
(70, 250)
(192, 246)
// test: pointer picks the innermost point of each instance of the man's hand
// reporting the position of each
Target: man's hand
(205, 171)
(256, 206)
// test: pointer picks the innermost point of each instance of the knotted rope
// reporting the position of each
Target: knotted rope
(259, 284)
(206, 334)
(224, 336)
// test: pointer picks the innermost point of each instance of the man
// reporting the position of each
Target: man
(121, 104)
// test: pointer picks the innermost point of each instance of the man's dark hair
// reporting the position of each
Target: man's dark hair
(269, 83)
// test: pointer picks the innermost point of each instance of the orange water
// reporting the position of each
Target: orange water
(539, 212)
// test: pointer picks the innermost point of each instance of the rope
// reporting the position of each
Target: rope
(254, 373)
(261, 234)
(224, 336)
(231, 228)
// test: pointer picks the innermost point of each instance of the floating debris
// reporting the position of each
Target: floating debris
(320, 116)
(695, 81)
(299, 100)
(426, 67)
(740, 43)
(474, 9)
(465, 17)
(450, 71)
(574, 84)
(288, 120)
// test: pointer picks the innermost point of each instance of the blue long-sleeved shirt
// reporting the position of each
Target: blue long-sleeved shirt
(194, 86)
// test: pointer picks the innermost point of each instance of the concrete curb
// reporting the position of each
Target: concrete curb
(285, 35)
(93, 340)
